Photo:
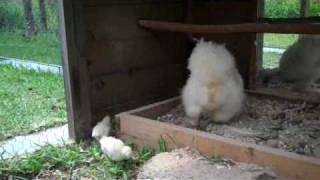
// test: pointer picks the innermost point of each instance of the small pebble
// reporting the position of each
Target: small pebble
(272, 143)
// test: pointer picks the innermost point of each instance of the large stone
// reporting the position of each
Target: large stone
(187, 164)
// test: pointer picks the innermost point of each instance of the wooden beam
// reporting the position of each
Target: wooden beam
(314, 19)
(286, 94)
(147, 132)
(285, 28)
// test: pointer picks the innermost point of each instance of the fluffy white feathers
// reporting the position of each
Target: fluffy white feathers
(214, 86)
(114, 148)
(102, 128)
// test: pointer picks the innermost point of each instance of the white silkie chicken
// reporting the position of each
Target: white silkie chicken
(102, 128)
(214, 86)
(300, 63)
(114, 148)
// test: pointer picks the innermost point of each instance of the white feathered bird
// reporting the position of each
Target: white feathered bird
(102, 128)
(214, 86)
(115, 149)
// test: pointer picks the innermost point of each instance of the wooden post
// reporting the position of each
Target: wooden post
(75, 68)
(261, 5)
(304, 8)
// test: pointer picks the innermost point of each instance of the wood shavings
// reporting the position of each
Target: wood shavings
(293, 127)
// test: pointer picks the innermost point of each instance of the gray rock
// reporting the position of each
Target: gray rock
(187, 164)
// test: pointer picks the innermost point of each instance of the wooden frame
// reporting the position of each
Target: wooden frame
(137, 126)
(72, 30)
(286, 94)
(260, 39)
(86, 82)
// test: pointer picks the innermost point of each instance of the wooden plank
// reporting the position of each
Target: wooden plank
(286, 94)
(101, 3)
(115, 56)
(128, 66)
(112, 92)
(144, 132)
(158, 108)
(75, 68)
(119, 21)
(315, 19)
(285, 28)
(238, 11)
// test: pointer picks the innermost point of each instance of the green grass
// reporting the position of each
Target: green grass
(29, 101)
(12, 15)
(83, 160)
(271, 60)
(42, 48)
(282, 8)
(279, 40)
(289, 8)
(277, 9)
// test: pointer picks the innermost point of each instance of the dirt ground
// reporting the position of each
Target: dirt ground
(293, 127)
(188, 164)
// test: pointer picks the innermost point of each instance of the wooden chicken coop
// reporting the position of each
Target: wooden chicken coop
(125, 54)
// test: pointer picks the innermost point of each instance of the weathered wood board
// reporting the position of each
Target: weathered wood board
(130, 66)
(138, 127)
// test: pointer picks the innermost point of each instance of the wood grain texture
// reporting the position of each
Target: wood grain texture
(142, 87)
(281, 93)
(130, 66)
(146, 132)
(76, 76)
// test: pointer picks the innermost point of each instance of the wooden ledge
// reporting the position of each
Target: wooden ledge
(285, 28)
